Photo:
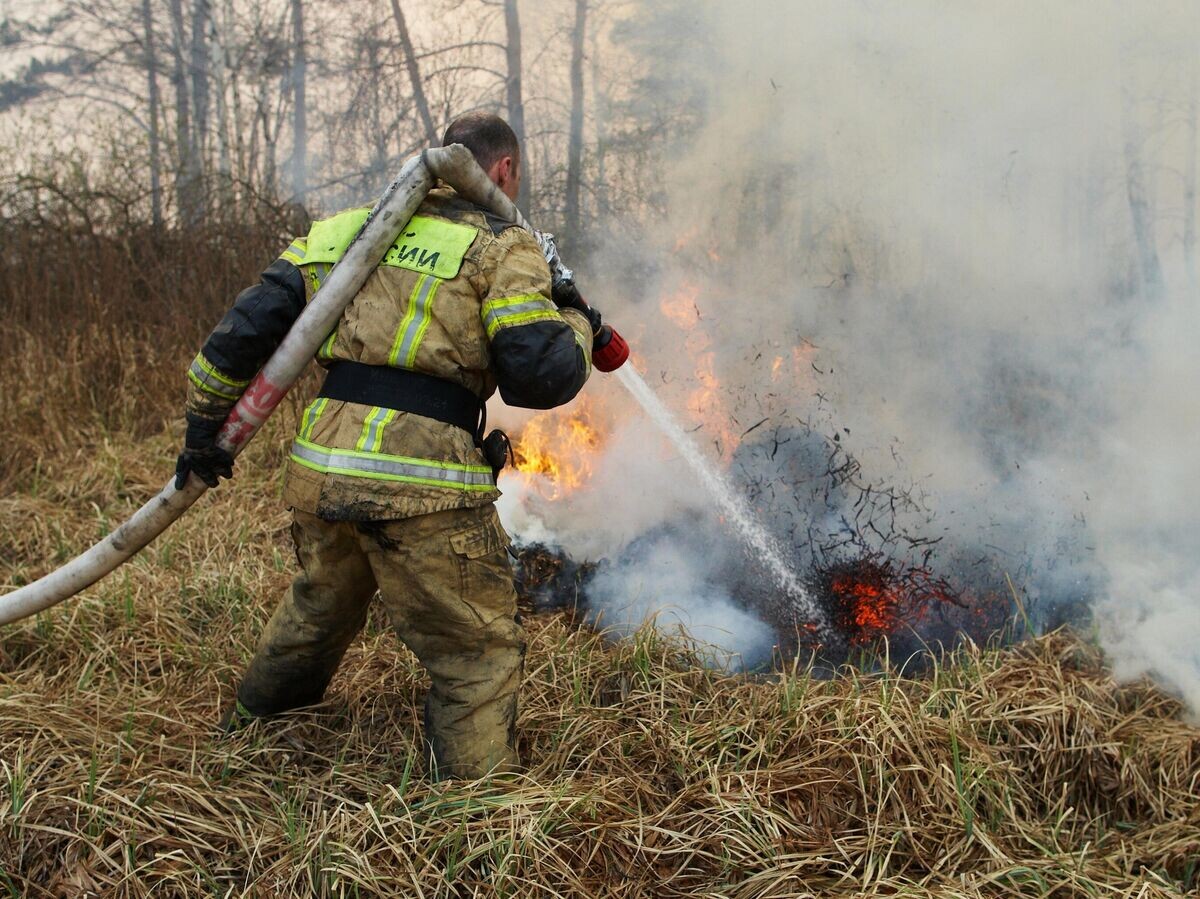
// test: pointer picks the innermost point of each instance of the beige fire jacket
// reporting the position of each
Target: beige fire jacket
(461, 296)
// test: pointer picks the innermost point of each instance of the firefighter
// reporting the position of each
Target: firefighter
(387, 479)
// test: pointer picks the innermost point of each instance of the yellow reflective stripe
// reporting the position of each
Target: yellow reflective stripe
(212, 372)
(208, 388)
(311, 415)
(369, 439)
(425, 301)
(520, 300)
(404, 460)
(295, 252)
(317, 274)
(326, 351)
(408, 336)
(383, 467)
(507, 311)
(377, 440)
(523, 318)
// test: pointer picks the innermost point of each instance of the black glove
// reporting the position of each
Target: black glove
(567, 296)
(201, 456)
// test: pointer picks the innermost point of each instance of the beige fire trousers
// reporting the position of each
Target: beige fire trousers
(445, 581)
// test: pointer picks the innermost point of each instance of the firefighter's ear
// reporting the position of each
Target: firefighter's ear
(506, 175)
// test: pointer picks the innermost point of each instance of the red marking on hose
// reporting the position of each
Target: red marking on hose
(256, 404)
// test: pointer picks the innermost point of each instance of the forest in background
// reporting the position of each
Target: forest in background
(158, 154)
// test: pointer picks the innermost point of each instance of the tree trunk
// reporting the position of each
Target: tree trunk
(220, 70)
(152, 90)
(414, 76)
(299, 121)
(201, 16)
(185, 181)
(601, 112)
(379, 137)
(516, 105)
(242, 167)
(575, 146)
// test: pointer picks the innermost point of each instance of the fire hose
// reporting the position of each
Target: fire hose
(454, 165)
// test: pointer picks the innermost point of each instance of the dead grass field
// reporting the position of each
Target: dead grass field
(1012, 772)
(1003, 772)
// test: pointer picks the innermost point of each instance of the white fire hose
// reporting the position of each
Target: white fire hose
(457, 167)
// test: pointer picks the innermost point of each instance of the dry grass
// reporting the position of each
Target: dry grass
(1025, 771)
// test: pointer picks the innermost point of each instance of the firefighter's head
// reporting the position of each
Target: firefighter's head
(494, 146)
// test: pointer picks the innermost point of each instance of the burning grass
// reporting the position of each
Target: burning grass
(1022, 771)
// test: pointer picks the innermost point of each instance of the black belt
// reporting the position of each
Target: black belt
(405, 391)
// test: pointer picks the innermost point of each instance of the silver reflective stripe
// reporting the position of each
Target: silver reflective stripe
(392, 468)
(210, 380)
(372, 435)
(311, 415)
(497, 314)
(318, 272)
(415, 322)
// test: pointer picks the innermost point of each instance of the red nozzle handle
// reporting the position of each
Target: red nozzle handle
(609, 350)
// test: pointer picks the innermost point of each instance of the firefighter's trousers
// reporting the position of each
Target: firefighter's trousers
(445, 581)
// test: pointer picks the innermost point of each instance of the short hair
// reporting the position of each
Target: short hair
(487, 136)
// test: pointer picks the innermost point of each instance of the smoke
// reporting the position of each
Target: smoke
(943, 200)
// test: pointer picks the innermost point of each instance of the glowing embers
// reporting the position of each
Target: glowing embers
(866, 599)
(557, 450)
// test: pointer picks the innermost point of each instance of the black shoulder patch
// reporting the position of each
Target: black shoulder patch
(497, 224)
(456, 209)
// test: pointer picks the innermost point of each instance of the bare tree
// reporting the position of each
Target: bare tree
(198, 72)
(575, 142)
(153, 102)
(414, 75)
(514, 96)
(300, 105)
(187, 175)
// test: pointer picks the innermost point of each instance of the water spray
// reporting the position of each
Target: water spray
(739, 515)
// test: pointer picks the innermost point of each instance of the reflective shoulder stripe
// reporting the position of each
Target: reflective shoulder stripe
(383, 467)
(415, 322)
(518, 310)
(316, 273)
(295, 253)
(205, 375)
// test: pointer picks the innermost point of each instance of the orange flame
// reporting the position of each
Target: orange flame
(704, 402)
(872, 607)
(559, 446)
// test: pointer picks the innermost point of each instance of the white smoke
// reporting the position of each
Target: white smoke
(938, 195)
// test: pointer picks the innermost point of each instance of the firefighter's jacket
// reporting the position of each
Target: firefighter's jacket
(462, 296)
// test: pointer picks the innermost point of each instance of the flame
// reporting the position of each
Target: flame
(704, 403)
(556, 450)
(871, 599)
(870, 605)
